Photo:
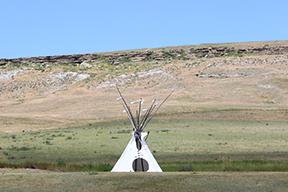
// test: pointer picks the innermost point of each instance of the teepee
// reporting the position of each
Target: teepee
(137, 156)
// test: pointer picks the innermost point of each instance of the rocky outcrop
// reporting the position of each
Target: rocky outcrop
(113, 58)
(147, 55)
(231, 51)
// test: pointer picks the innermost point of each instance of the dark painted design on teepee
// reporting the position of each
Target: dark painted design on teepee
(140, 164)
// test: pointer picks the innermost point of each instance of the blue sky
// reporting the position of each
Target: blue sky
(53, 27)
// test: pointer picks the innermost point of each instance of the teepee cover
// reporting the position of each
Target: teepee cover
(133, 160)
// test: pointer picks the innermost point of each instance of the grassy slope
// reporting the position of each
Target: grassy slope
(27, 180)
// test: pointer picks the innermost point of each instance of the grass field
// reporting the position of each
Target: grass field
(178, 145)
(31, 180)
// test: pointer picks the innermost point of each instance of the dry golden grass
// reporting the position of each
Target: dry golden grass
(34, 180)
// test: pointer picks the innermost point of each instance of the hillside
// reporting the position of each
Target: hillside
(218, 81)
(229, 110)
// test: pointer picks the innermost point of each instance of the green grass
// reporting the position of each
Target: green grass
(177, 144)
(219, 166)
(227, 165)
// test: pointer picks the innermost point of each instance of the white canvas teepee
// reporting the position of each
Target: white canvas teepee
(137, 156)
(133, 160)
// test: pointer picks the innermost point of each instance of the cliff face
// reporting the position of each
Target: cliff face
(156, 54)
(247, 80)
